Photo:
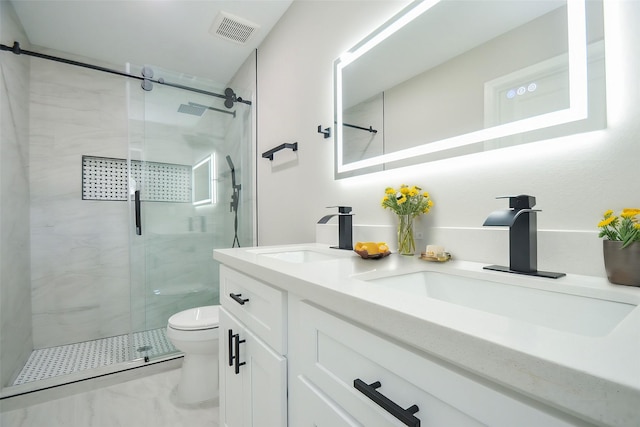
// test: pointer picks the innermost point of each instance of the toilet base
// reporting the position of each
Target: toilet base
(198, 378)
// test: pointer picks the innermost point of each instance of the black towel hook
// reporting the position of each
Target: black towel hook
(326, 132)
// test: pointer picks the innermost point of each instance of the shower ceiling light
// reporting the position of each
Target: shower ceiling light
(233, 28)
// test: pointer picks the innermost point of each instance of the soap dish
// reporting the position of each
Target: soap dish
(367, 255)
(424, 256)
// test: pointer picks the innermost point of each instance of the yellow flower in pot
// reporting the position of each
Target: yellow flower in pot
(621, 246)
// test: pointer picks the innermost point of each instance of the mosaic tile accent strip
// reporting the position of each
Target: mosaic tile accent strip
(53, 361)
(105, 178)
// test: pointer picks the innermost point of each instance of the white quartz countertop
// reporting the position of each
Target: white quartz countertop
(593, 376)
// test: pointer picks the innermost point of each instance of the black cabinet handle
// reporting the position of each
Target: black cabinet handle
(236, 298)
(405, 416)
(237, 356)
(136, 199)
(234, 347)
(230, 347)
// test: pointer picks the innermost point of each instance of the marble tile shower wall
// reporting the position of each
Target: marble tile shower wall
(15, 296)
(86, 283)
(79, 249)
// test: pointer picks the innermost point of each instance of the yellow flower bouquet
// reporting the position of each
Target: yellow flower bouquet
(407, 202)
(624, 228)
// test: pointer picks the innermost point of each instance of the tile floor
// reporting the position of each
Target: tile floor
(53, 361)
(145, 402)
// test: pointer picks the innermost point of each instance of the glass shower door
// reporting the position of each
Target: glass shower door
(183, 155)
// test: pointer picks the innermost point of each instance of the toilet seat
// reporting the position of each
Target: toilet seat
(196, 319)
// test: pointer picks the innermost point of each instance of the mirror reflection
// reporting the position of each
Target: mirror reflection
(202, 181)
(454, 77)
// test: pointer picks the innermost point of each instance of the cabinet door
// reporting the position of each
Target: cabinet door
(313, 408)
(266, 380)
(253, 378)
(231, 393)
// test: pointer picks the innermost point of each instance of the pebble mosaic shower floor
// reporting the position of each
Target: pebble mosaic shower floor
(65, 359)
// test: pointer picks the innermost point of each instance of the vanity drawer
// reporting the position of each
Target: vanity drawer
(262, 308)
(335, 354)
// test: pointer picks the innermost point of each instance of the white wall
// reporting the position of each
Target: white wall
(575, 179)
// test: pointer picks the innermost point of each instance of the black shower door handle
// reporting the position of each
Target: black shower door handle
(136, 198)
(405, 416)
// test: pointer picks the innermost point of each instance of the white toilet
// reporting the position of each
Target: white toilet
(195, 333)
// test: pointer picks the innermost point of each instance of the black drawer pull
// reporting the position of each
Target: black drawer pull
(405, 416)
(236, 298)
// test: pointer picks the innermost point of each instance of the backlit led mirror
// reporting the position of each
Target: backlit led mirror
(454, 77)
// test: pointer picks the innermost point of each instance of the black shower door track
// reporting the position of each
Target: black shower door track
(18, 51)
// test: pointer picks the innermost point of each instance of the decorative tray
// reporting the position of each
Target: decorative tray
(447, 257)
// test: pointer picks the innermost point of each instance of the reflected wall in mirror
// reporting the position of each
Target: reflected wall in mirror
(454, 77)
(202, 181)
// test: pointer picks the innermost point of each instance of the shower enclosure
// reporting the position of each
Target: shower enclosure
(131, 185)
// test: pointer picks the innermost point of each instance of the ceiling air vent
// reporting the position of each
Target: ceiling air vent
(233, 28)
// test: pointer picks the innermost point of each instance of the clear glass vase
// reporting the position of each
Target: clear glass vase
(406, 242)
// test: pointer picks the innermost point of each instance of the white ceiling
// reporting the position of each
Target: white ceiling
(170, 34)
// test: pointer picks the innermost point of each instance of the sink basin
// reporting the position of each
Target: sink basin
(566, 312)
(299, 256)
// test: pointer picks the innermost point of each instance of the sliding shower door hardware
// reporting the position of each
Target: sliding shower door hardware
(326, 132)
(147, 82)
(269, 154)
(237, 298)
(405, 416)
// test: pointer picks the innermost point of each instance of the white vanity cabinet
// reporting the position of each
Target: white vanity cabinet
(341, 373)
(253, 368)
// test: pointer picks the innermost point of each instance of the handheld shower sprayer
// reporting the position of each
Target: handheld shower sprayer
(233, 171)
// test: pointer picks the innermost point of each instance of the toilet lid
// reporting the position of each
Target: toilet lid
(195, 318)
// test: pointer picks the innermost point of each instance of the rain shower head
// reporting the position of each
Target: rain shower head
(193, 109)
(196, 109)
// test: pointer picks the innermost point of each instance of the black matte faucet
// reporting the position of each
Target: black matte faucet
(523, 242)
(345, 226)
